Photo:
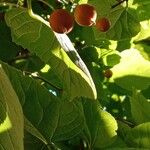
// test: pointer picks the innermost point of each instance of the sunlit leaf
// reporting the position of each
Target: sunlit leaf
(139, 136)
(39, 38)
(101, 125)
(140, 108)
(11, 127)
(123, 24)
(133, 71)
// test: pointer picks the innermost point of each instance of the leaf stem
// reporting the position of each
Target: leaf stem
(29, 4)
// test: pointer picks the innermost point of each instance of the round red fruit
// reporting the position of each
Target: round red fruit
(108, 73)
(85, 15)
(61, 21)
(103, 24)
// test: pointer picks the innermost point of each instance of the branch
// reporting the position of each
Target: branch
(120, 2)
(36, 76)
(8, 4)
(44, 2)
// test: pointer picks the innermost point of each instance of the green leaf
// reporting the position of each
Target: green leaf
(90, 54)
(123, 129)
(30, 64)
(33, 131)
(110, 58)
(123, 24)
(140, 108)
(142, 7)
(11, 127)
(8, 49)
(133, 71)
(39, 38)
(139, 136)
(55, 118)
(144, 49)
(33, 143)
(101, 125)
(127, 148)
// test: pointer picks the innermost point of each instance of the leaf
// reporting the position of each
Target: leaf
(144, 49)
(8, 49)
(101, 125)
(55, 118)
(11, 127)
(36, 36)
(140, 108)
(142, 8)
(33, 143)
(139, 136)
(123, 24)
(33, 131)
(123, 129)
(110, 58)
(31, 64)
(127, 148)
(133, 71)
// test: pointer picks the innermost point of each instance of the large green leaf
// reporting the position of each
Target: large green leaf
(123, 24)
(100, 125)
(139, 136)
(140, 108)
(39, 38)
(55, 118)
(33, 131)
(133, 71)
(11, 116)
(142, 9)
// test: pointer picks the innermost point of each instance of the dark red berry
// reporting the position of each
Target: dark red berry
(103, 24)
(85, 15)
(61, 21)
(108, 73)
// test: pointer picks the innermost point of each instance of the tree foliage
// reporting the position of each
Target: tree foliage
(54, 91)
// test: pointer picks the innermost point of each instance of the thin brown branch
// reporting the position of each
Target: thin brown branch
(36, 76)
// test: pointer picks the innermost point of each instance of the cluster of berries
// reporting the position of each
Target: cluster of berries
(61, 21)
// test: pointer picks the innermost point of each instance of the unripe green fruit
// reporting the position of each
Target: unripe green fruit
(61, 21)
(85, 15)
(103, 24)
(108, 73)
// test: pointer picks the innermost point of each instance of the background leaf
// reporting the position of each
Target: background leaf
(140, 108)
(123, 24)
(11, 127)
(130, 73)
(139, 136)
(101, 125)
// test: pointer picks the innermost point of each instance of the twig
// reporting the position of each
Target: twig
(41, 78)
(44, 2)
(8, 4)
(130, 124)
(120, 2)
